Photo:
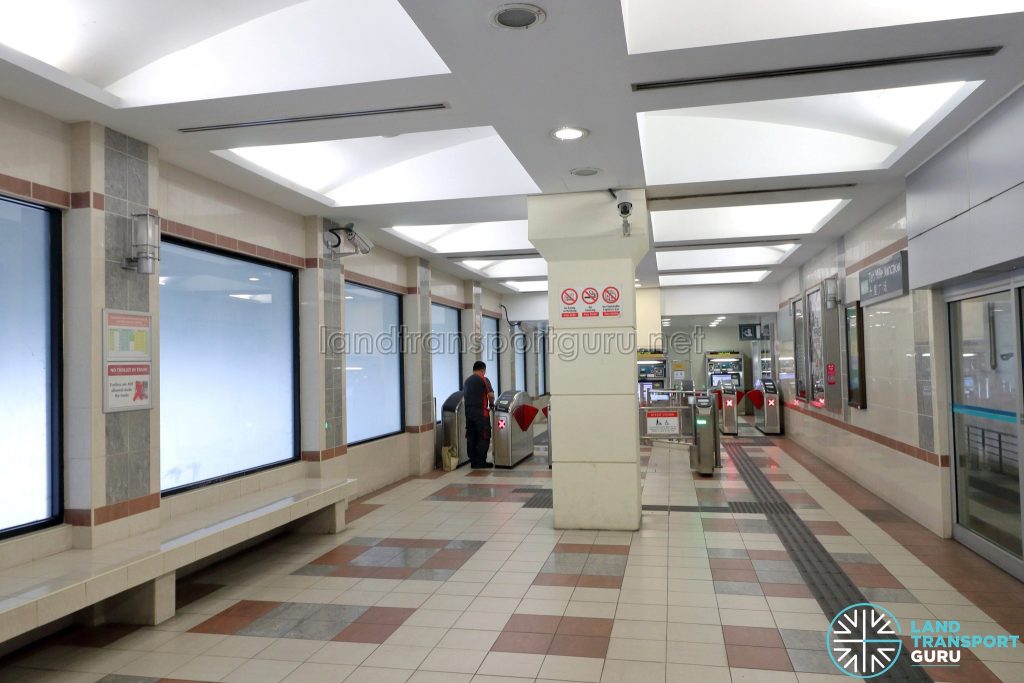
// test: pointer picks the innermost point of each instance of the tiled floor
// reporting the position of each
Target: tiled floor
(452, 579)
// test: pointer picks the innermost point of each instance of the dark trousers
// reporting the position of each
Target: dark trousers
(478, 439)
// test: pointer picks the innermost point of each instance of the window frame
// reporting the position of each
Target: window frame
(296, 388)
(401, 370)
(55, 404)
(458, 333)
(497, 350)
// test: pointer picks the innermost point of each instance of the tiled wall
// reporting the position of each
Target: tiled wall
(35, 147)
(895, 439)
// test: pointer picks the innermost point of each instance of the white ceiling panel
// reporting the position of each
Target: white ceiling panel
(467, 238)
(751, 221)
(795, 136)
(506, 269)
(659, 25)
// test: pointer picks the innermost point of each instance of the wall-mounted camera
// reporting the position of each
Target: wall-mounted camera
(625, 209)
(343, 240)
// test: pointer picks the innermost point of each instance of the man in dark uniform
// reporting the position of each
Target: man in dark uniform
(479, 398)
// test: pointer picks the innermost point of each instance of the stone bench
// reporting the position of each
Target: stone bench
(133, 580)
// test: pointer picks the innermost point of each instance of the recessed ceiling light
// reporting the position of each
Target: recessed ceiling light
(468, 238)
(504, 269)
(254, 279)
(518, 16)
(569, 133)
(527, 285)
(585, 171)
(752, 220)
(723, 257)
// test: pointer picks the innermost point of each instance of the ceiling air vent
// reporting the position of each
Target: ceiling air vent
(819, 68)
(518, 16)
(314, 117)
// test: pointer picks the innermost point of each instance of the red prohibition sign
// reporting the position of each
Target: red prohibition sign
(569, 296)
(610, 295)
(589, 296)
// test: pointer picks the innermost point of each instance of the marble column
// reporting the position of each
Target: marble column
(595, 439)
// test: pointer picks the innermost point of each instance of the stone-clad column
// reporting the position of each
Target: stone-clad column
(472, 324)
(417, 368)
(595, 440)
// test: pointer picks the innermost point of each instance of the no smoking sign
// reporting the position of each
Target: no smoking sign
(589, 295)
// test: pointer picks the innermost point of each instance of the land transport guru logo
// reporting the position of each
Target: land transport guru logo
(865, 641)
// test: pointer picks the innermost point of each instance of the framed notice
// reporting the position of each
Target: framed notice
(663, 423)
(127, 360)
(856, 393)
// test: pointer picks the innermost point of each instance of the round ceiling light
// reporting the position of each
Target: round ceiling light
(518, 16)
(569, 133)
(585, 171)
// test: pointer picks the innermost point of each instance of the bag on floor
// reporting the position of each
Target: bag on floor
(449, 458)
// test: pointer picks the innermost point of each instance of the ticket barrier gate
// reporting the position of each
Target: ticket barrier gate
(513, 436)
(685, 419)
(767, 407)
(706, 452)
(453, 427)
(728, 399)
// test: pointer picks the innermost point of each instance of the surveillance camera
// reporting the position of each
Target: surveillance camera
(361, 244)
(625, 209)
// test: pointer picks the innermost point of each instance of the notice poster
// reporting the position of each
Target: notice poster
(567, 303)
(663, 422)
(127, 387)
(127, 360)
(610, 306)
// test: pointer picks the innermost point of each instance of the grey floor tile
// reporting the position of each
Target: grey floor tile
(779, 577)
(727, 552)
(376, 557)
(338, 613)
(738, 588)
(774, 566)
(855, 558)
(464, 545)
(269, 628)
(311, 629)
(812, 661)
(796, 639)
(293, 610)
(432, 574)
(117, 678)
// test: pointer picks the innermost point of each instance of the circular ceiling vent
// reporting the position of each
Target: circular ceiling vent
(585, 172)
(518, 16)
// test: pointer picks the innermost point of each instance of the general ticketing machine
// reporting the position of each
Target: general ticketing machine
(513, 437)
(651, 374)
(729, 398)
(705, 454)
(768, 415)
(724, 366)
(453, 426)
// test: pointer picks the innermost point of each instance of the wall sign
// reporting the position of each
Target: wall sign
(589, 301)
(830, 373)
(127, 360)
(663, 422)
(884, 280)
(750, 332)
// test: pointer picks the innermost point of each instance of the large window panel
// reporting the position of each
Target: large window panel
(373, 363)
(800, 349)
(227, 366)
(445, 353)
(492, 345)
(29, 367)
(519, 348)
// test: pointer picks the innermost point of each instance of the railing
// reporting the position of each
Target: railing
(992, 449)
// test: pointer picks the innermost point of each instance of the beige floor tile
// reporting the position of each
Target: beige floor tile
(739, 617)
(468, 639)
(311, 672)
(155, 664)
(418, 636)
(291, 649)
(352, 654)
(698, 674)
(637, 649)
(482, 621)
(455, 661)
(761, 676)
(262, 671)
(641, 612)
(584, 669)
(369, 674)
(397, 657)
(439, 677)
(511, 664)
(711, 654)
(208, 668)
(621, 671)
(646, 630)
(593, 610)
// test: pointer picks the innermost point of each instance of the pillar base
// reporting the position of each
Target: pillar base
(330, 520)
(150, 604)
(602, 496)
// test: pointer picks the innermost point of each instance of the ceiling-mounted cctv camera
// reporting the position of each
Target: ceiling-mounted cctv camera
(625, 211)
(345, 241)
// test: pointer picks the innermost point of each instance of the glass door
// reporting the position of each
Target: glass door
(986, 387)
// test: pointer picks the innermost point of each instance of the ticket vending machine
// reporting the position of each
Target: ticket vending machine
(768, 416)
(705, 454)
(729, 398)
(724, 366)
(513, 434)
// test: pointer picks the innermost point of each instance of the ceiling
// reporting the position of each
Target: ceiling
(778, 165)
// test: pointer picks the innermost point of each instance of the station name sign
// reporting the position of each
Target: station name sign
(884, 280)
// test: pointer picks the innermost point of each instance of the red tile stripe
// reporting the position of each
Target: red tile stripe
(377, 283)
(327, 454)
(905, 448)
(896, 246)
(420, 429)
(114, 512)
(38, 191)
(434, 298)
(193, 234)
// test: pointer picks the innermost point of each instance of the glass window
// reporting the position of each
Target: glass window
(445, 353)
(492, 345)
(227, 366)
(29, 351)
(799, 349)
(817, 348)
(519, 343)
(985, 380)
(373, 363)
